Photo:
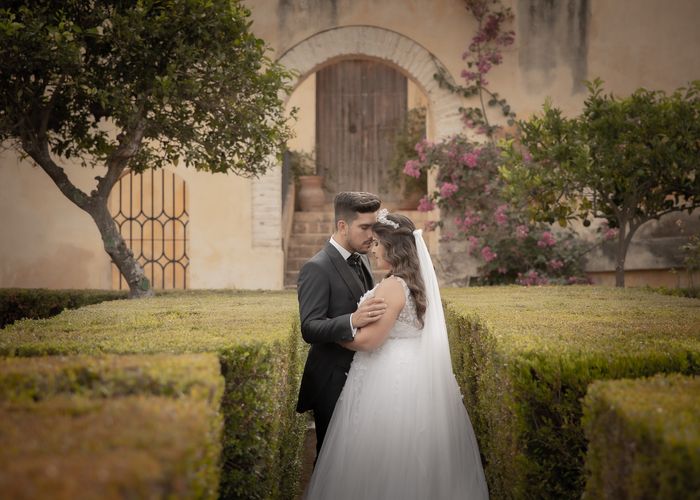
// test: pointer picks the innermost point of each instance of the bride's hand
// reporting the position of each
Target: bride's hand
(368, 312)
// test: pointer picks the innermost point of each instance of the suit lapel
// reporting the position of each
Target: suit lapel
(347, 274)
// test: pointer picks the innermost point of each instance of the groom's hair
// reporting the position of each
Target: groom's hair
(348, 204)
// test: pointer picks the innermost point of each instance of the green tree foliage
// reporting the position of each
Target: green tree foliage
(137, 85)
(627, 160)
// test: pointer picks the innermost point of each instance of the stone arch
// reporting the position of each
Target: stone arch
(325, 47)
(390, 47)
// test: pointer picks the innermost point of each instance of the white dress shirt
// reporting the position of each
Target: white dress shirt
(345, 255)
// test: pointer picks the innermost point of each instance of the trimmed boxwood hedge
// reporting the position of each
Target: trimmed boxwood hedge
(67, 446)
(82, 426)
(644, 438)
(35, 303)
(263, 438)
(107, 376)
(524, 358)
(259, 351)
(177, 323)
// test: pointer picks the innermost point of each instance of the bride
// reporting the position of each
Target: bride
(400, 429)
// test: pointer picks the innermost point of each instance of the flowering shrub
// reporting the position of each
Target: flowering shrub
(511, 249)
(469, 186)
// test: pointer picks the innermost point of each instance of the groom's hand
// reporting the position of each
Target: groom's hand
(368, 312)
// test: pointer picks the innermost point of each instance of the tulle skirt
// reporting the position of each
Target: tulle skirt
(390, 437)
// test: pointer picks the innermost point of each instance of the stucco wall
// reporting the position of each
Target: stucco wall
(628, 43)
(558, 44)
(47, 241)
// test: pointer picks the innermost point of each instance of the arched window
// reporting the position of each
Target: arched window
(152, 214)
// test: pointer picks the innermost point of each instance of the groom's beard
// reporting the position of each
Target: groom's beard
(366, 247)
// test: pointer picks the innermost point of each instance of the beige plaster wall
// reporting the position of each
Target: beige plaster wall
(628, 44)
(221, 251)
(49, 242)
(304, 100)
(46, 240)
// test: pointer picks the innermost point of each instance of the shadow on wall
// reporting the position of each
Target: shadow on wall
(553, 33)
(320, 14)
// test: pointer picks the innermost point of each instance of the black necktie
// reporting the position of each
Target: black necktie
(356, 265)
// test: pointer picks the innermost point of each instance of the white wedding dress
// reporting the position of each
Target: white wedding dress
(397, 432)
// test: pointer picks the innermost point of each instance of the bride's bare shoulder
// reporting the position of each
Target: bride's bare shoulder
(391, 290)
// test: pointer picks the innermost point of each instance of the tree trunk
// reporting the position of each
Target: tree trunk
(623, 243)
(96, 206)
(115, 246)
(620, 260)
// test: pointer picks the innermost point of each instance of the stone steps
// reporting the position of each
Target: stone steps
(315, 240)
(301, 227)
(310, 232)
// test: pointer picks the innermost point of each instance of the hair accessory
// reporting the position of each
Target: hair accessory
(381, 217)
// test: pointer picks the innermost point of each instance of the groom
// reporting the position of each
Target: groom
(330, 286)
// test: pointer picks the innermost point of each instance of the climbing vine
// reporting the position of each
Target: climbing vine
(469, 188)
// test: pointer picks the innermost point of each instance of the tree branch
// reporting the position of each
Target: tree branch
(46, 112)
(129, 144)
(694, 205)
(39, 152)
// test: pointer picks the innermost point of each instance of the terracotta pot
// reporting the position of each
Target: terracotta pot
(311, 195)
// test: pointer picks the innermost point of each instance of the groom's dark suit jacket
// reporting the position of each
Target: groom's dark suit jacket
(328, 291)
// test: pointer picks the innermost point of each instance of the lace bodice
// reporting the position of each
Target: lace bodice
(407, 324)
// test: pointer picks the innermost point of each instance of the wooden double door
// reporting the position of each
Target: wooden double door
(360, 107)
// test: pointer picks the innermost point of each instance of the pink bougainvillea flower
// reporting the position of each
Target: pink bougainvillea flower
(425, 205)
(500, 215)
(555, 264)
(483, 65)
(470, 218)
(412, 168)
(521, 232)
(488, 254)
(531, 278)
(448, 189)
(471, 159)
(469, 75)
(422, 148)
(546, 240)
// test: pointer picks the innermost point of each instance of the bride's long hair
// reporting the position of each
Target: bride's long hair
(401, 254)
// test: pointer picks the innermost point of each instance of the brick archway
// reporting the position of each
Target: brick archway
(307, 56)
